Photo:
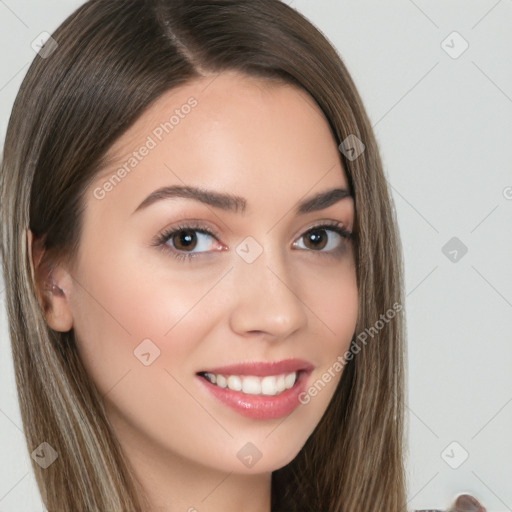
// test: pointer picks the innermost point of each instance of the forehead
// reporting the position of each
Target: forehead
(231, 130)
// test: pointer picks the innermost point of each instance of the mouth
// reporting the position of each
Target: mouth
(262, 390)
(271, 385)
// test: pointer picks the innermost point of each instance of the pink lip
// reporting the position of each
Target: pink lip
(263, 369)
(261, 406)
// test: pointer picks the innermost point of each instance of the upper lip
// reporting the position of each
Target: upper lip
(263, 368)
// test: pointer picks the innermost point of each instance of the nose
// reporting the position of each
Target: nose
(266, 300)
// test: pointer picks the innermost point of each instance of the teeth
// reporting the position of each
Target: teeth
(234, 383)
(289, 380)
(251, 385)
(281, 383)
(268, 386)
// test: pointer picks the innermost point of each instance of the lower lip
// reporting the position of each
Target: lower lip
(260, 407)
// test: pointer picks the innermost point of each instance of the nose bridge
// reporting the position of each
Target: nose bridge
(265, 298)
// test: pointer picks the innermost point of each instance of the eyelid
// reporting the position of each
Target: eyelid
(192, 225)
(329, 223)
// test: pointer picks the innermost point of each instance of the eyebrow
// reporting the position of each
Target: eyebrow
(233, 203)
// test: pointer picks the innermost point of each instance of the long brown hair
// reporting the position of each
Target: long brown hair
(113, 60)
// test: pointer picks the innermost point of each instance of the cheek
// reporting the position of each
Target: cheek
(333, 300)
(336, 307)
(121, 304)
(138, 338)
(341, 307)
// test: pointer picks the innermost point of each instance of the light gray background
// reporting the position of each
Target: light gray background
(444, 125)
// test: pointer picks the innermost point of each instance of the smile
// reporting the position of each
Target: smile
(270, 385)
(258, 390)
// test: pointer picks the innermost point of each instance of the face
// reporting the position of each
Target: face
(231, 277)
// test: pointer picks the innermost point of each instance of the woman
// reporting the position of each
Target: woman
(262, 372)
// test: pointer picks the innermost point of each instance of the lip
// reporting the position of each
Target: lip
(261, 407)
(263, 369)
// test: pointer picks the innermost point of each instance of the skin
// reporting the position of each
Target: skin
(271, 145)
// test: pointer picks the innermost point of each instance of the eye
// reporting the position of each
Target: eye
(186, 242)
(325, 238)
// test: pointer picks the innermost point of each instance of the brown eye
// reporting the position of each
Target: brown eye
(187, 242)
(184, 240)
(324, 239)
(316, 239)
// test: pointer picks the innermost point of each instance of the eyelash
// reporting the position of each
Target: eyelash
(162, 239)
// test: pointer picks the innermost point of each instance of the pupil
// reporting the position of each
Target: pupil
(315, 237)
(186, 239)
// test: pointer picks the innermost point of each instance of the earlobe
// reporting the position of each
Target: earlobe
(53, 286)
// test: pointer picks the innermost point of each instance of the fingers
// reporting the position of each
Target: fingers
(467, 503)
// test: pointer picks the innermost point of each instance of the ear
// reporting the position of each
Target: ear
(53, 286)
